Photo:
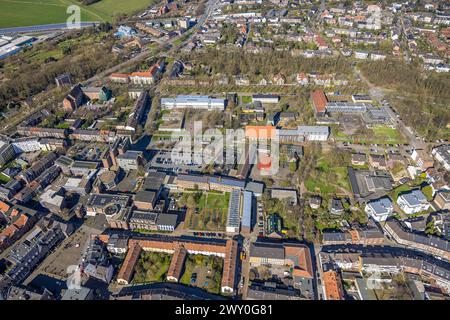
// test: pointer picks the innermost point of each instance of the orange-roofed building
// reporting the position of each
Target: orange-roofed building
(299, 257)
(4, 207)
(176, 263)
(22, 221)
(9, 231)
(260, 132)
(319, 101)
(332, 284)
(103, 238)
(321, 43)
(126, 271)
(145, 77)
(119, 77)
(7, 236)
(14, 213)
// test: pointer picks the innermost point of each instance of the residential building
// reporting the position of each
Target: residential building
(413, 202)
(442, 199)
(74, 99)
(422, 159)
(336, 206)
(7, 152)
(418, 241)
(379, 209)
(95, 261)
(359, 159)
(332, 284)
(176, 264)
(442, 155)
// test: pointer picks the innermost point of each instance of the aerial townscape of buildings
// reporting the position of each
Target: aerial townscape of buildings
(230, 150)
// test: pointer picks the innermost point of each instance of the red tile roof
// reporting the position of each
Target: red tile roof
(303, 264)
(229, 264)
(119, 75)
(333, 285)
(4, 207)
(319, 101)
(126, 270)
(21, 221)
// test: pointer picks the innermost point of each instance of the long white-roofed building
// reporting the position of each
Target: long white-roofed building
(193, 102)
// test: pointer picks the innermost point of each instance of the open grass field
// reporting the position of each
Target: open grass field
(212, 212)
(16, 13)
(379, 135)
(387, 134)
(327, 179)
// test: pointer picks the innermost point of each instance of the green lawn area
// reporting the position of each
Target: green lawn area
(151, 267)
(208, 269)
(387, 135)
(400, 189)
(15, 13)
(381, 135)
(327, 179)
(246, 99)
(4, 179)
(212, 212)
(63, 125)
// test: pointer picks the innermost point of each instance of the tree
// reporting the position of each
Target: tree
(430, 228)
(428, 192)
(293, 166)
(191, 203)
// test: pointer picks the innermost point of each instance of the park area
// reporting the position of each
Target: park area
(151, 267)
(327, 179)
(16, 13)
(210, 212)
(203, 272)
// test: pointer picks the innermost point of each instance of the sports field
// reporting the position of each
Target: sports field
(17, 13)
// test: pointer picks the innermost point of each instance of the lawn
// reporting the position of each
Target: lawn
(212, 212)
(151, 267)
(379, 135)
(327, 179)
(387, 135)
(15, 13)
(400, 189)
(246, 99)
